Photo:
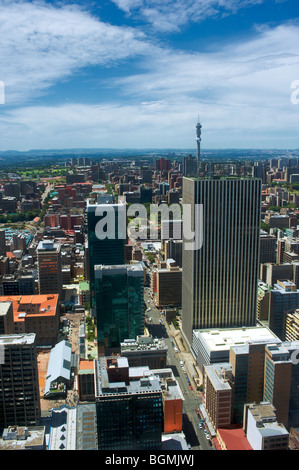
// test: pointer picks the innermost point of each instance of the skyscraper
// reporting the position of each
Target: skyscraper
(119, 303)
(129, 412)
(220, 279)
(49, 267)
(19, 388)
(108, 250)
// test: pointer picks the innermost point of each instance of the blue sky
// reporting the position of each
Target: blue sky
(138, 73)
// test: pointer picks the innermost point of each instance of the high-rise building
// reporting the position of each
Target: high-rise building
(284, 298)
(217, 395)
(267, 249)
(49, 267)
(248, 375)
(109, 249)
(129, 412)
(119, 303)
(277, 382)
(220, 277)
(19, 387)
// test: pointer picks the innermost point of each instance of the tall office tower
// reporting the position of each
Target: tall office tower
(220, 278)
(105, 249)
(129, 412)
(119, 304)
(277, 381)
(247, 363)
(19, 387)
(49, 267)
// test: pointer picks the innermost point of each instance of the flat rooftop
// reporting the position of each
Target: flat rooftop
(220, 339)
(26, 338)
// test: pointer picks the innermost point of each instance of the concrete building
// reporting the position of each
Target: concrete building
(219, 283)
(86, 380)
(291, 327)
(263, 302)
(278, 272)
(168, 285)
(173, 249)
(217, 394)
(23, 438)
(284, 298)
(277, 380)
(262, 429)
(210, 346)
(6, 318)
(267, 248)
(248, 363)
(145, 351)
(37, 314)
(49, 267)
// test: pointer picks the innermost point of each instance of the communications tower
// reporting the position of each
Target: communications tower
(198, 140)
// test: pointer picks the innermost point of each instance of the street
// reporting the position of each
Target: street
(192, 399)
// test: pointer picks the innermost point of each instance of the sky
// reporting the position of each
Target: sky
(139, 74)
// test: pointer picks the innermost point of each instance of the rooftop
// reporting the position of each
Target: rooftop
(225, 338)
(20, 438)
(32, 305)
(14, 339)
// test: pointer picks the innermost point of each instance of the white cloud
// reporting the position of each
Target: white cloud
(241, 91)
(171, 15)
(43, 44)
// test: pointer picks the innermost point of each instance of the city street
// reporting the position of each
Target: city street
(192, 399)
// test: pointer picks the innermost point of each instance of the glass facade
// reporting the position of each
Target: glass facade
(109, 251)
(132, 422)
(119, 303)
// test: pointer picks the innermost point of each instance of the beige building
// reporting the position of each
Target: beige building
(291, 332)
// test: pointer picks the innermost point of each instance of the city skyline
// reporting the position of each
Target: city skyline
(136, 74)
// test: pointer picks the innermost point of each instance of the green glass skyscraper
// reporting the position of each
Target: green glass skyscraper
(119, 303)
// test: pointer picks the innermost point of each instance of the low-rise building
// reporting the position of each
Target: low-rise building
(37, 314)
(262, 429)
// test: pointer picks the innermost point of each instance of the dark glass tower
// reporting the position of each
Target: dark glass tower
(107, 251)
(129, 413)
